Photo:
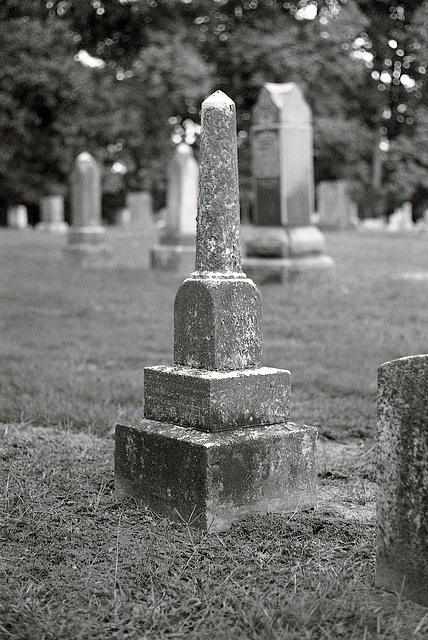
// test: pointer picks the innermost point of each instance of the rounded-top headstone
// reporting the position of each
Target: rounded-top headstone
(85, 191)
(402, 475)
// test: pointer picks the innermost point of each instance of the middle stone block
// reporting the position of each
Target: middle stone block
(217, 323)
(217, 400)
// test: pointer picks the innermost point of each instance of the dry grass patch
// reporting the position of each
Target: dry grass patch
(78, 565)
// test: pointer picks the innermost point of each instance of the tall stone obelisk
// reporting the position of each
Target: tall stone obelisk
(215, 443)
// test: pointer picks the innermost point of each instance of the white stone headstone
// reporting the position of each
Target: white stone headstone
(401, 219)
(282, 156)
(17, 217)
(182, 195)
(86, 236)
(85, 192)
(283, 185)
(140, 208)
(336, 209)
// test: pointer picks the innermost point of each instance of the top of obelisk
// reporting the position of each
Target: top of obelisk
(219, 100)
(218, 247)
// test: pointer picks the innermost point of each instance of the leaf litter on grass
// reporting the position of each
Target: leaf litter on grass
(76, 564)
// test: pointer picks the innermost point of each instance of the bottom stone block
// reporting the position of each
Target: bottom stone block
(213, 479)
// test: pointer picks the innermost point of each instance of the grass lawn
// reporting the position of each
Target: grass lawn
(74, 343)
(77, 565)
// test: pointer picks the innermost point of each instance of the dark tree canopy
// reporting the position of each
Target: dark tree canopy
(361, 63)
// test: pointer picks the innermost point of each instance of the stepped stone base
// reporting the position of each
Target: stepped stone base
(53, 227)
(211, 480)
(177, 258)
(313, 268)
(282, 242)
(86, 235)
(216, 400)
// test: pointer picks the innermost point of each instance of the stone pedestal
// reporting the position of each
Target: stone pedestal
(52, 215)
(402, 475)
(282, 170)
(86, 236)
(133, 241)
(211, 480)
(216, 443)
(176, 251)
(314, 270)
(280, 254)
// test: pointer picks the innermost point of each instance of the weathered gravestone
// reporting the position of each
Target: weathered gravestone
(176, 250)
(17, 217)
(401, 218)
(283, 239)
(336, 209)
(133, 240)
(402, 501)
(86, 235)
(52, 215)
(216, 443)
(140, 207)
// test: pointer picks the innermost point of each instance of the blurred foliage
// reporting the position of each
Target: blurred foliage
(362, 65)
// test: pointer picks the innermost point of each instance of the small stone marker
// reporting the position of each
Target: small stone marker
(282, 170)
(176, 250)
(336, 209)
(133, 242)
(140, 206)
(401, 219)
(52, 215)
(17, 217)
(182, 200)
(86, 235)
(402, 501)
(215, 443)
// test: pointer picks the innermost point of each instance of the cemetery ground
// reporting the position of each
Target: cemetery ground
(75, 564)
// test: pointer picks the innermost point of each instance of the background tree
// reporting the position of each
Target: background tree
(361, 65)
(395, 40)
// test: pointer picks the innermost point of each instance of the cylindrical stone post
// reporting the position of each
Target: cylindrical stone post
(86, 201)
(218, 247)
(85, 192)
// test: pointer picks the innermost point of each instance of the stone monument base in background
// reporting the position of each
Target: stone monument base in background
(314, 269)
(179, 258)
(87, 247)
(281, 254)
(52, 227)
(131, 247)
